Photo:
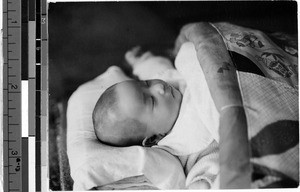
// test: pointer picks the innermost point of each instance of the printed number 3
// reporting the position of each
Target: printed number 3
(43, 21)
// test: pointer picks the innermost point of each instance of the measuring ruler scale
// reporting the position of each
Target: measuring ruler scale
(25, 96)
(12, 142)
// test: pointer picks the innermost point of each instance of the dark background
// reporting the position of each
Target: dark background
(86, 38)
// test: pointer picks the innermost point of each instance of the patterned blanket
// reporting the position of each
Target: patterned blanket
(268, 76)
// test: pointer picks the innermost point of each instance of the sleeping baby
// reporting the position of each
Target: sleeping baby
(160, 112)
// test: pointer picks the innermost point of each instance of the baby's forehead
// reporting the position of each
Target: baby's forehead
(129, 89)
(129, 82)
(129, 85)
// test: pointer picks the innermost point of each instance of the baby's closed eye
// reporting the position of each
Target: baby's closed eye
(153, 101)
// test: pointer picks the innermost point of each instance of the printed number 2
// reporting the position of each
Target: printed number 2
(14, 86)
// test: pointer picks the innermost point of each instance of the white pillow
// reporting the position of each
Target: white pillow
(95, 164)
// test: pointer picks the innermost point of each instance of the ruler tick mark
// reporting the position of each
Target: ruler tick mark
(15, 156)
(13, 26)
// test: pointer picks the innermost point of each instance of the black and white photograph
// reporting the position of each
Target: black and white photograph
(173, 95)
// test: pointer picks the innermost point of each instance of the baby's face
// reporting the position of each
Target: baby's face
(152, 102)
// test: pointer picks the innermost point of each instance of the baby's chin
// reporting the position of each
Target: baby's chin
(177, 94)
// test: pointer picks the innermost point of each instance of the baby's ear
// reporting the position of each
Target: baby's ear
(153, 140)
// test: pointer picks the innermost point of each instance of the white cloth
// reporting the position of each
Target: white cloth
(198, 120)
(189, 135)
(202, 166)
(195, 133)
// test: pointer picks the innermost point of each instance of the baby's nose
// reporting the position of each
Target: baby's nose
(159, 88)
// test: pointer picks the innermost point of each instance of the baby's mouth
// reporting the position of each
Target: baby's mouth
(171, 91)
